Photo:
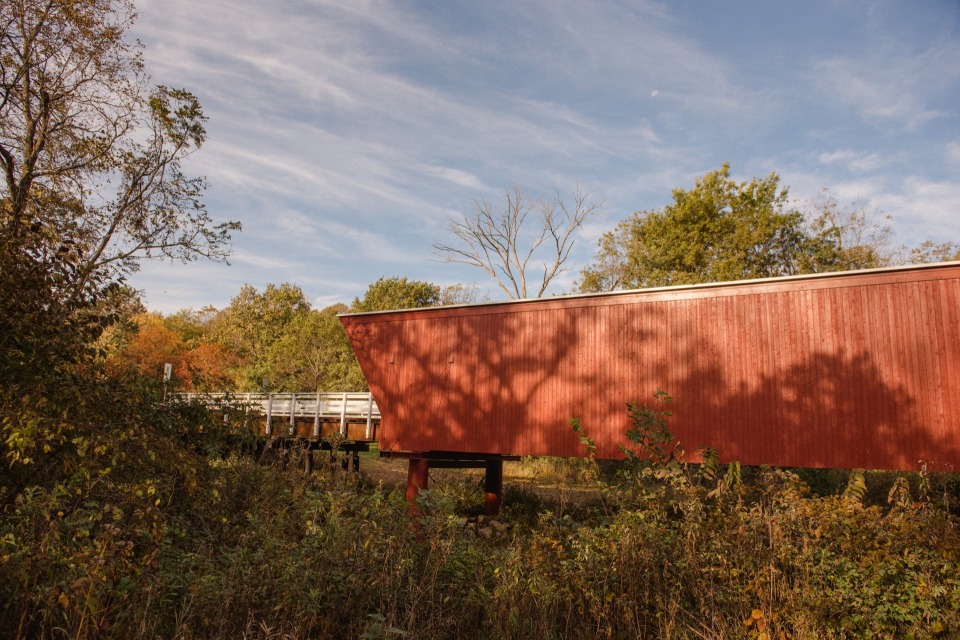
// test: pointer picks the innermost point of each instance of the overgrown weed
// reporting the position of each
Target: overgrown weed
(190, 545)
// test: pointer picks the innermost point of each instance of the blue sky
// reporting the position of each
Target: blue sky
(343, 134)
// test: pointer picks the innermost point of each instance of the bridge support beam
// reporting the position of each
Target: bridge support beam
(308, 461)
(420, 463)
(418, 474)
(493, 487)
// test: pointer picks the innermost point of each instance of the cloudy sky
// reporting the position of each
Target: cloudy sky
(344, 134)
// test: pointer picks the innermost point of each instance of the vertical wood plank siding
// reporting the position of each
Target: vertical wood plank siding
(851, 370)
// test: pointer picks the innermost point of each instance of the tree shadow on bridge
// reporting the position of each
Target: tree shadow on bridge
(833, 410)
(813, 408)
(507, 379)
(486, 382)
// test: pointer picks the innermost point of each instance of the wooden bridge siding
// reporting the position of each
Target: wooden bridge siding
(943, 308)
(851, 371)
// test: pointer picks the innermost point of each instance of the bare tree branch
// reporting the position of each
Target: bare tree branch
(506, 245)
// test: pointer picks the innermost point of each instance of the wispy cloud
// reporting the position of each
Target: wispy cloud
(342, 133)
(854, 161)
(953, 152)
(899, 83)
(881, 97)
(923, 209)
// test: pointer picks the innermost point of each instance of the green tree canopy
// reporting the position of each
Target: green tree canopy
(388, 294)
(314, 354)
(718, 230)
(191, 324)
(725, 230)
(253, 322)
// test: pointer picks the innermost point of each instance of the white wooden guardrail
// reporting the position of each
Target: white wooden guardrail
(345, 407)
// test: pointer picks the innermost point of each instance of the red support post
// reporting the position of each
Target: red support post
(418, 473)
(493, 487)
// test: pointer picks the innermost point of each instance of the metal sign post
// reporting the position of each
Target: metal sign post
(167, 374)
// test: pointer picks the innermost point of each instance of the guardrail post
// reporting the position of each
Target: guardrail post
(370, 416)
(343, 417)
(316, 419)
(293, 413)
(269, 429)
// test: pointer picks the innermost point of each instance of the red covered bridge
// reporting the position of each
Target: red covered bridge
(855, 370)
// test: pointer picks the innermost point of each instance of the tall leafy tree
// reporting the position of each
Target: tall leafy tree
(314, 354)
(387, 294)
(91, 182)
(276, 337)
(724, 230)
(719, 230)
(252, 323)
(90, 153)
(849, 237)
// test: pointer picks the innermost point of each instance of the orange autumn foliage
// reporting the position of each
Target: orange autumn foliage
(200, 366)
